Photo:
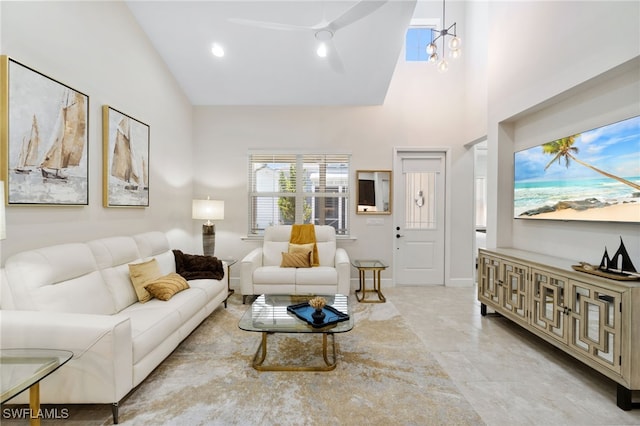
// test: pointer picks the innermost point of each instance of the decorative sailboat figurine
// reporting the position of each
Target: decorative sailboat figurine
(620, 263)
(29, 152)
(67, 139)
(122, 165)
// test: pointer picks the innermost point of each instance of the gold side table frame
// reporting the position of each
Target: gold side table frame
(376, 267)
(261, 355)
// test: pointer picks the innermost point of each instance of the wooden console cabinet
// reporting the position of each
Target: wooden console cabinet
(594, 319)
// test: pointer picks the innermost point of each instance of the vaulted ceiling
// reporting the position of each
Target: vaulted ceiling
(270, 49)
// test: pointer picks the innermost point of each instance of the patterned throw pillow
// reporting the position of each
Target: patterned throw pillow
(141, 274)
(164, 288)
(302, 248)
(296, 260)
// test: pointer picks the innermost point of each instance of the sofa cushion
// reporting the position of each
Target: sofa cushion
(113, 254)
(211, 288)
(142, 274)
(165, 287)
(155, 244)
(274, 275)
(151, 323)
(60, 278)
(296, 260)
(320, 275)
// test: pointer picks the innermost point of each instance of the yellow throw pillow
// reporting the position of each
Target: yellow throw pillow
(141, 274)
(296, 260)
(165, 287)
(302, 248)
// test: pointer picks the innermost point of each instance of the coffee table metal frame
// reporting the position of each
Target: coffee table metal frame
(268, 315)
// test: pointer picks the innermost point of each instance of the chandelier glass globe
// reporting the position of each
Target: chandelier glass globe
(455, 43)
(431, 48)
(443, 65)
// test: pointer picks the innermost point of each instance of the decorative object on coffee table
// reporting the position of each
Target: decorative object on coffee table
(318, 303)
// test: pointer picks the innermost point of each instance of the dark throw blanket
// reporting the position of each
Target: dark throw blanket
(195, 267)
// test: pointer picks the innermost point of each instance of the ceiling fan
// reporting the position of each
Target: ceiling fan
(324, 31)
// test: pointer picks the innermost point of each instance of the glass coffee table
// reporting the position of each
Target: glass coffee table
(22, 369)
(268, 314)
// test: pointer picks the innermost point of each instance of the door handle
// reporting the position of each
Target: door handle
(398, 235)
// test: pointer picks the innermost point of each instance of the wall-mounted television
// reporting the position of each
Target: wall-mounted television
(589, 176)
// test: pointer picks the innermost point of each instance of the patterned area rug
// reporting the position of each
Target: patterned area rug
(384, 376)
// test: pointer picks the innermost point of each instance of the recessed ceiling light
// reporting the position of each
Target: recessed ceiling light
(217, 50)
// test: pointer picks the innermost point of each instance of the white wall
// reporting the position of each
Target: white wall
(423, 108)
(98, 49)
(543, 88)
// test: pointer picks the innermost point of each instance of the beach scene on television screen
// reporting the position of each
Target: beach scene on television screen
(591, 176)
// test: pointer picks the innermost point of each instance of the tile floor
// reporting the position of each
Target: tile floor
(510, 376)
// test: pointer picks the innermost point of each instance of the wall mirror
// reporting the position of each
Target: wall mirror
(374, 192)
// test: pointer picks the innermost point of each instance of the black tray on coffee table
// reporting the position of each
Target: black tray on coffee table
(304, 311)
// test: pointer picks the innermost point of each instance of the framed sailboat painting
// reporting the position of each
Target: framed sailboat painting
(125, 145)
(44, 138)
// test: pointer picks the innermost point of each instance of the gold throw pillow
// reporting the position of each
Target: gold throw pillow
(141, 274)
(296, 260)
(164, 288)
(302, 248)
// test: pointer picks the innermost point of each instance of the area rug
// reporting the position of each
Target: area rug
(384, 375)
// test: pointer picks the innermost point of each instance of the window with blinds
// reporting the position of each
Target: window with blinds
(298, 188)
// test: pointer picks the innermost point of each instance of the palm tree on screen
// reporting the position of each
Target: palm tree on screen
(563, 149)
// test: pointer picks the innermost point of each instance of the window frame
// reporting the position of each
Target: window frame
(301, 194)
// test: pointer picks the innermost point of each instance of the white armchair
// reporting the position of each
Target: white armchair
(260, 271)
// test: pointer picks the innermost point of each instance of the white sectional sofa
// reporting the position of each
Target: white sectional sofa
(79, 297)
(261, 273)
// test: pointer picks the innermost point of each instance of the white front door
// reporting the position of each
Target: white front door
(419, 231)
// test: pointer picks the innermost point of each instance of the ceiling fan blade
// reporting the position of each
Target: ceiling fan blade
(334, 58)
(355, 13)
(268, 25)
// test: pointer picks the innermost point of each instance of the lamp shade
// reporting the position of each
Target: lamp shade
(208, 209)
(3, 226)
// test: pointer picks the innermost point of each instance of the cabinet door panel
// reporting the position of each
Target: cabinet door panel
(488, 280)
(595, 323)
(548, 304)
(514, 289)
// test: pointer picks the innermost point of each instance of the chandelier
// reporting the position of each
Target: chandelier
(454, 44)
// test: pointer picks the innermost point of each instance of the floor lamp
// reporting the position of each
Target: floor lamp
(208, 210)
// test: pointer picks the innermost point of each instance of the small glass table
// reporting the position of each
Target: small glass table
(268, 315)
(376, 267)
(25, 368)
